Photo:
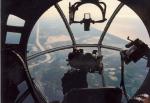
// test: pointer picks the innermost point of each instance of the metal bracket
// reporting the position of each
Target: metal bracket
(73, 8)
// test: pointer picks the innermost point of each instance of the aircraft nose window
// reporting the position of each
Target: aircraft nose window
(61, 50)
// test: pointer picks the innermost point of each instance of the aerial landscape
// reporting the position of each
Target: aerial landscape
(48, 69)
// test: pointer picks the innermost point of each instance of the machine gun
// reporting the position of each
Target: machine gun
(137, 49)
(89, 62)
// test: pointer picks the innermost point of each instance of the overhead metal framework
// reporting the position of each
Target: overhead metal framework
(66, 23)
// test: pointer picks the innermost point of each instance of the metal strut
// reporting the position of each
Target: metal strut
(108, 25)
(38, 97)
(104, 33)
(103, 79)
(66, 24)
(23, 96)
(122, 82)
(70, 46)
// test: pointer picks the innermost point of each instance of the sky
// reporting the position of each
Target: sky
(126, 23)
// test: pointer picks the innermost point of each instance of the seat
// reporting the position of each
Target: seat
(96, 95)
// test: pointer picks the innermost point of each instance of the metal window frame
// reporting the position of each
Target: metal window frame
(74, 45)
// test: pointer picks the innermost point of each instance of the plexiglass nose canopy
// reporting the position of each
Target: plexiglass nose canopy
(74, 45)
(86, 21)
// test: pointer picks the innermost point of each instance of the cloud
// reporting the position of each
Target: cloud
(58, 38)
(91, 40)
(109, 69)
(114, 78)
(34, 49)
